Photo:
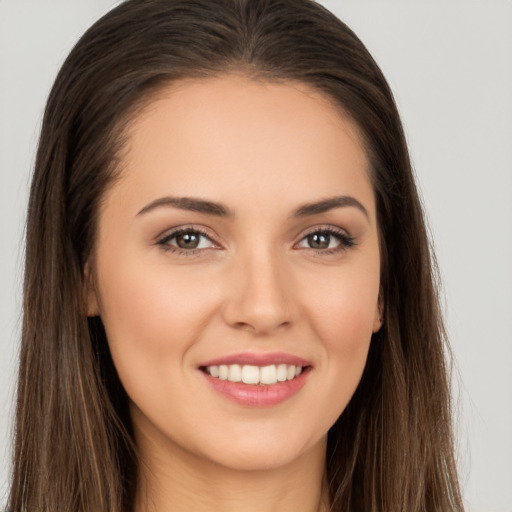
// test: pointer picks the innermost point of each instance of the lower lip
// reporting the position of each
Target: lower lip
(258, 395)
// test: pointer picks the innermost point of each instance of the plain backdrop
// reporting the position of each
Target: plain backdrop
(449, 64)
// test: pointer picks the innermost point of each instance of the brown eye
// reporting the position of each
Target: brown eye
(188, 240)
(327, 241)
(319, 240)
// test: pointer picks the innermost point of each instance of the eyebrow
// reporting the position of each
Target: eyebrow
(213, 208)
(191, 204)
(329, 204)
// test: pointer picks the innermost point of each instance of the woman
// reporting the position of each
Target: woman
(229, 295)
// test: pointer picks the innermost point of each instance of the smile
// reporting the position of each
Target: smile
(257, 380)
(254, 375)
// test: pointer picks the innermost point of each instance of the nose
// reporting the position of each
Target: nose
(259, 295)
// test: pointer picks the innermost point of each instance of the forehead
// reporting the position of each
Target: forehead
(231, 135)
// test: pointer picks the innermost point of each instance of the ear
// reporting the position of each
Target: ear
(378, 319)
(90, 293)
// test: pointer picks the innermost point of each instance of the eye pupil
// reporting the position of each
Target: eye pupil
(319, 240)
(187, 241)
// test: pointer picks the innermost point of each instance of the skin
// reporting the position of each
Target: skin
(255, 284)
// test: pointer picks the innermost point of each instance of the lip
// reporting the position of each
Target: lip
(255, 359)
(250, 395)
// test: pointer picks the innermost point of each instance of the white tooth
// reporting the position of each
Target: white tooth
(282, 371)
(268, 374)
(213, 370)
(250, 374)
(235, 373)
(223, 372)
(291, 372)
(298, 370)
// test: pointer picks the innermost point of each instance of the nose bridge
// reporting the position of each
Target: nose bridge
(259, 299)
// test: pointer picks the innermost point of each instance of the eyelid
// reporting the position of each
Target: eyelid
(346, 240)
(163, 239)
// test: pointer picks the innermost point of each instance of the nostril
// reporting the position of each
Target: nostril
(258, 295)
(261, 327)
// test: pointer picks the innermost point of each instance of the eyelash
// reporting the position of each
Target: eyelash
(345, 241)
(164, 241)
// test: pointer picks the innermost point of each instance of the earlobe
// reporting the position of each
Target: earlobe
(90, 293)
(378, 319)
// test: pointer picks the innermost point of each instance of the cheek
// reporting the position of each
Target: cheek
(151, 317)
(345, 306)
(343, 309)
(345, 327)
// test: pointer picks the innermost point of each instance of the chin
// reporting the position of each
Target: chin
(267, 455)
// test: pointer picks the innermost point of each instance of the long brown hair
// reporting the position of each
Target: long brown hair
(392, 448)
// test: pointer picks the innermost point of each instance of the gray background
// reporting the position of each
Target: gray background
(450, 65)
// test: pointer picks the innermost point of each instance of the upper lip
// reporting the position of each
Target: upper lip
(251, 358)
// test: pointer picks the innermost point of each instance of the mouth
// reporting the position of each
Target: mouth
(257, 380)
(255, 375)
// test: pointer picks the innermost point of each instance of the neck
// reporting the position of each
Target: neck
(178, 481)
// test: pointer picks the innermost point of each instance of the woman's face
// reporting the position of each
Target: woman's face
(239, 243)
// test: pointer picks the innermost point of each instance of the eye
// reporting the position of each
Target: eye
(186, 240)
(326, 240)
